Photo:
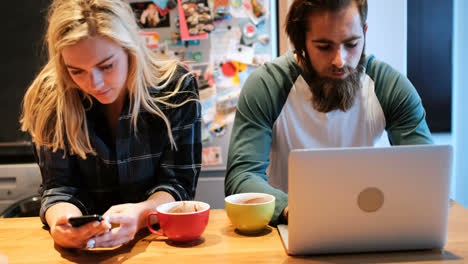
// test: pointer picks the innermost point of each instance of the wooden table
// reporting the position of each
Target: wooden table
(23, 240)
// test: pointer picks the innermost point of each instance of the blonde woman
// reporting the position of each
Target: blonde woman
(116, 131)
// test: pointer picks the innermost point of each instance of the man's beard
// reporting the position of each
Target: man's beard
(331, 94)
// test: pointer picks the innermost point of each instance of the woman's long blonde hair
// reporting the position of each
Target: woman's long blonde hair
(53, 111)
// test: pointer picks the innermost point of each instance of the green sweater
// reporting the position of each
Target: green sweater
(274, 115)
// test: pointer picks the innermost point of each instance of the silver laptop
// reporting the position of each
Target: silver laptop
(366, 199)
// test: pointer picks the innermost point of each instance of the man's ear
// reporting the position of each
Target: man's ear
(365, 29)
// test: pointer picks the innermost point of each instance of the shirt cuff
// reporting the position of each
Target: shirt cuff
(54, 196)
(165, 188)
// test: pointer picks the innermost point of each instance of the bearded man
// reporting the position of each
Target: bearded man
(326, 93)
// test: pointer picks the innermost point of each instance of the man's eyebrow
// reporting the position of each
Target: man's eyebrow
(327, 41)
(101, 62)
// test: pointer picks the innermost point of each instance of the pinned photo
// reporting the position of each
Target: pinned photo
(211, 156)
(151, 39)
(148, 15)
(197, 16)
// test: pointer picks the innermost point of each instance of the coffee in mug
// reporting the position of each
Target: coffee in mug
(185, 207)
(255, 200)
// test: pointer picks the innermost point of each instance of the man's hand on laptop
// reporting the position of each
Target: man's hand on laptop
(284, 216)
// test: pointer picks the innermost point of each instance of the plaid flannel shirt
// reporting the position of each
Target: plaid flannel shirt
(134, 166)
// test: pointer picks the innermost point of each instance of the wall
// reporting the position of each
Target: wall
(459, 106)
(283, 40)
(430, 35)
(386, 35)
(21, 60)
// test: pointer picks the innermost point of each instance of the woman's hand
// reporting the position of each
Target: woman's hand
(76, 237)
(127, 217)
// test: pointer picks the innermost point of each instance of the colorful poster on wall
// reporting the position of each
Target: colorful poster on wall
(221, 10)
(195, 19)
(151, 39)
(211, 156)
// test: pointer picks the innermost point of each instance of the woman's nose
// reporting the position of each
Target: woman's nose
(95, 79)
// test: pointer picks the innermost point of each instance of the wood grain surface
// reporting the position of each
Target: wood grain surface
(24, 240)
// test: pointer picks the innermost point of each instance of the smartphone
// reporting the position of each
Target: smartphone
(77, 221)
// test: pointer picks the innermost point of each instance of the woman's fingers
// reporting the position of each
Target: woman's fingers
(77, 237)
(67, 236)
(114, 237)
(92, 229)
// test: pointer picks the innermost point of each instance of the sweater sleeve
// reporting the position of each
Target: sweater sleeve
(261, 100)
(59, 185)
(403, 109)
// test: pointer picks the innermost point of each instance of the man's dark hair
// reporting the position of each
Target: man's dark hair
(299, 12)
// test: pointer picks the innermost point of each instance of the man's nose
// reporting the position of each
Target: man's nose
(339, 58)
(95, 79)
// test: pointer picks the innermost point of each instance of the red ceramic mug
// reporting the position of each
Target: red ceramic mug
(181, 221)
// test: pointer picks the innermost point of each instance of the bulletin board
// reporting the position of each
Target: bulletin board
(221, 41)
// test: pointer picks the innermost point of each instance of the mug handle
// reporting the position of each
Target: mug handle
(148, 223)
